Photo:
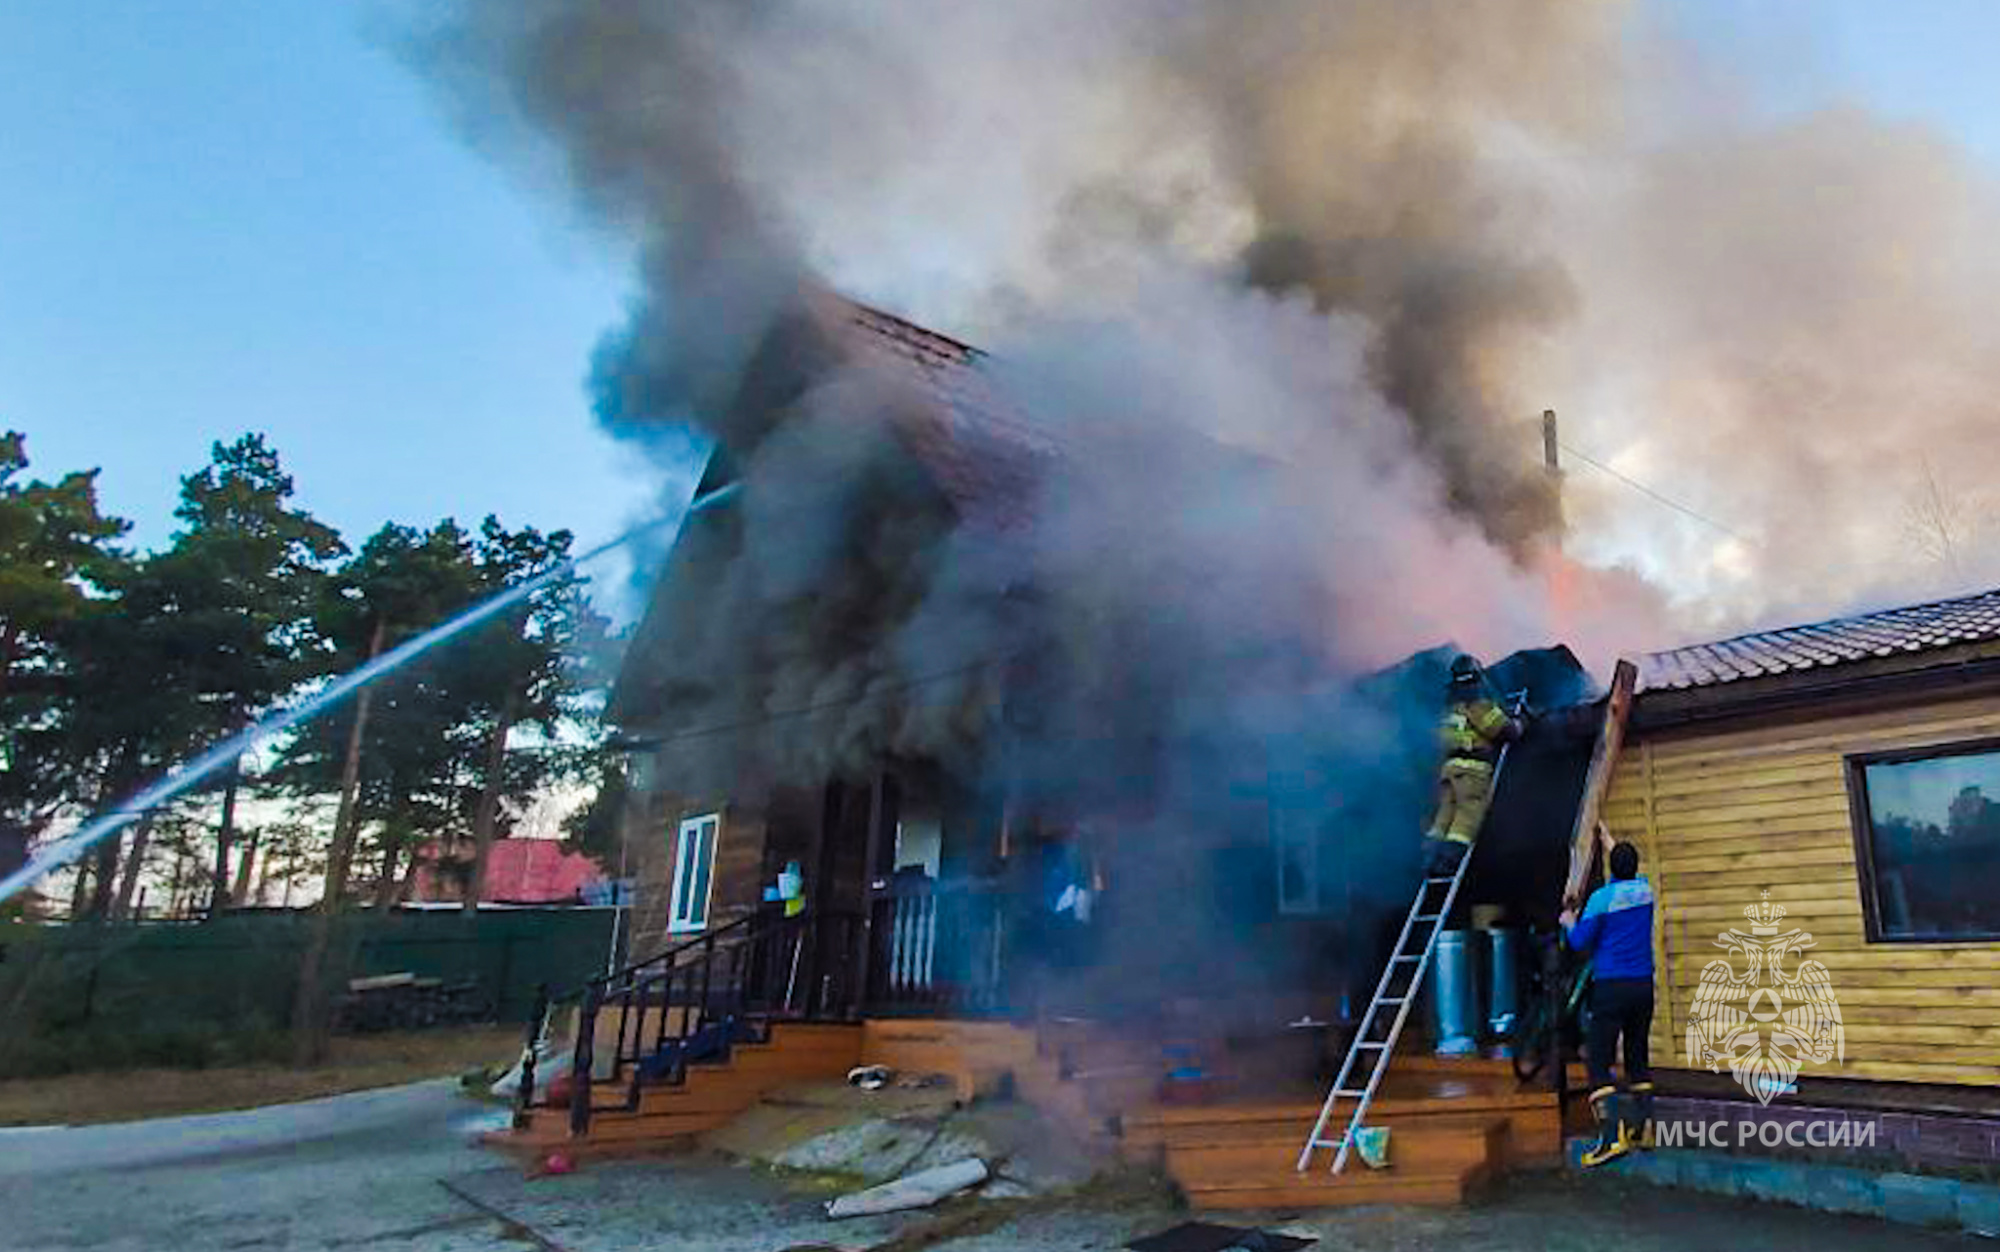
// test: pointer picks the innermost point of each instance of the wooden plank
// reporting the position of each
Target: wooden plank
(1750, 856)
(1726, 909)
(1931, 959)
(1702, 747)
(1817, 771)
(1597, 781)
(1721, 837)
(1798, 898)
(1798, 794)
(1854, 1011)
(1913, 1030)
(1828, 803)
(1689, 824)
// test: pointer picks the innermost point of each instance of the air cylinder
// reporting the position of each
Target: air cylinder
(1454, 990)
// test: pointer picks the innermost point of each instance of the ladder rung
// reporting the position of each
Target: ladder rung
(1377, 1046)
(1434, 881)
(1348, 1091)
(1429, 917)
(1392, 999)
(1408, 956)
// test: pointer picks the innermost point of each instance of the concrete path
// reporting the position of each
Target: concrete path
(397, 1170)
(352, 1170)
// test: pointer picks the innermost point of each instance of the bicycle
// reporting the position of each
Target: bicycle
(1553, 1020)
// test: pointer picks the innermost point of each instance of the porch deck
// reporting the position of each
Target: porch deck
(1453, 1125)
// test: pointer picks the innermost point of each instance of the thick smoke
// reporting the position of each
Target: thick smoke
(1277, 292)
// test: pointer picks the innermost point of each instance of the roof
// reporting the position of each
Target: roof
(1904, 632)
(980, 447)
(525, 871)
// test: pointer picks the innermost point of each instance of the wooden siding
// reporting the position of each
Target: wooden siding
(1723, 812)
(737, 877)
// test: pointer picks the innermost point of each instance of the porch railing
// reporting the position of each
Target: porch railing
(938, 951)
(693, 1002)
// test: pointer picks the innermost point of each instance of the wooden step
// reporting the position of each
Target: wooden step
(1319, 1189)
(551, 1126)
(1429, 1063)
(1534, 1124)
(1427, 1146)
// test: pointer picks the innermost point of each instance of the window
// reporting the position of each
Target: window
(694, 864)
(1927, 839)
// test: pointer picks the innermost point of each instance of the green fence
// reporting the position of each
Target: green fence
(244, 967)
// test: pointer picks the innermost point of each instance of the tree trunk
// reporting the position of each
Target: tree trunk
(387, 883)
(174, 887)
(245, 863)
(487, 811)
(104, 878)
(218, 899)
(309, 1017)
(10, 647)
(135, 865)
(79, 892)
(340, 856)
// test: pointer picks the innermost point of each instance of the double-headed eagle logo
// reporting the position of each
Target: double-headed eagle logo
(1765, 1023)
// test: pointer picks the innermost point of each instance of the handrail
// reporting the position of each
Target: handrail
(698, 997)
(667, 955)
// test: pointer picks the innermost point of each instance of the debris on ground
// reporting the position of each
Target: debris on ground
(872, 1137)
(870, 1077)
(912, 1191)
(552, 1061)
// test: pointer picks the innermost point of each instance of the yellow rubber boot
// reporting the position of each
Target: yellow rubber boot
(1612, 1139)
(1643, 1137)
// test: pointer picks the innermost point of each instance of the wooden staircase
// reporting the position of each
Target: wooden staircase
(710, 1095)
(1452, 1124)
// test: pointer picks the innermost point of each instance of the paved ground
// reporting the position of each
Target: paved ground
(395, 1171)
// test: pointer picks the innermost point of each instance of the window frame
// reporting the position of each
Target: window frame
(1861, 823)
(681, 915)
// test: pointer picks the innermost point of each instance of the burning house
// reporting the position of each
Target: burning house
(888, 772)
(922, 735)
(1077, 680)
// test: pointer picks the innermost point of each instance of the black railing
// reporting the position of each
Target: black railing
(697, 1000)
(934, 951)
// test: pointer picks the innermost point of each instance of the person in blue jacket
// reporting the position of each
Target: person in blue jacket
(1615, 930)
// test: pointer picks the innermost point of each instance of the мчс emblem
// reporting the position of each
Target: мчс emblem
(1766, 1023)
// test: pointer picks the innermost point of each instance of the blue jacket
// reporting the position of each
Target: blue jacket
(1616, 929)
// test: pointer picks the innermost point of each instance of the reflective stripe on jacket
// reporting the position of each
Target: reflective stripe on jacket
(1474, 729)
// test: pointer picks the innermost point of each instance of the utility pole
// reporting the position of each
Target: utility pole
(1552, 462)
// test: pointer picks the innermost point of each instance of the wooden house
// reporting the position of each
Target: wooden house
(931, 929)
(1847, 772)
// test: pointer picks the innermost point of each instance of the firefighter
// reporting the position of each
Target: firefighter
(1472, 730)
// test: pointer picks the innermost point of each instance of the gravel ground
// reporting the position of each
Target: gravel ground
(397, 1170)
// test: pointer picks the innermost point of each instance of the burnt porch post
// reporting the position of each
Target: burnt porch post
(864, 941)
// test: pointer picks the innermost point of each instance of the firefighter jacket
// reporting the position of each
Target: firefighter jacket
(1473, 730)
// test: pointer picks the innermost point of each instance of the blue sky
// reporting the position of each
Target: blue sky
(225, 215)
(248, 214)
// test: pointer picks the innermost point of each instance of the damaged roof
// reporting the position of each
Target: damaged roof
(980, 447)
(1909, 632)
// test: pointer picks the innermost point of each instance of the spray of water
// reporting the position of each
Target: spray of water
(66, 850)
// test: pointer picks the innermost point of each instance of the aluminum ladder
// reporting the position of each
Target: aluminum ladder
(1424, 922)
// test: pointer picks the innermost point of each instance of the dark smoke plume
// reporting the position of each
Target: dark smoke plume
(1276, 290)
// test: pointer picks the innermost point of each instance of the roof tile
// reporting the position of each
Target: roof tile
(1900, 631)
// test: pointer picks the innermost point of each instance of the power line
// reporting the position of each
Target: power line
(1671, 503)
